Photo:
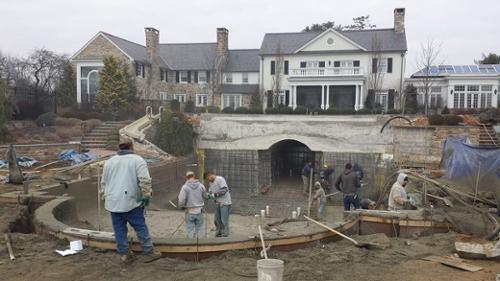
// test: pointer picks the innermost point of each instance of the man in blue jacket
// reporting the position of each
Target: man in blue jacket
(127, 189)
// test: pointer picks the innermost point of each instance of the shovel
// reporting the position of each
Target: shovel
(356, 243)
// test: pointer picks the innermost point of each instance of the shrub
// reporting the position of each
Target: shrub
(241, 110)
(228, 109)
(272, 110)
(341, 111)
(437, 120)
(213, 109)
(69, 132)
(488, 116)
(255, 110)
(453, 120)
(92, 124)
(317, 109)
(445, 110)
(364, 111)
(46, 119)
(200, 110)
(67, 122)
(175, 105)
(189, 107)
(300, 110)
(393, 111)
(285, 110)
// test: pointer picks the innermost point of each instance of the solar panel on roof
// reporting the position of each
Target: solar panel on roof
(474, 68)
(497, 68)
(466, 69)
(457, 69)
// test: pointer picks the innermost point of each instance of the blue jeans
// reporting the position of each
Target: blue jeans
(321, 210)
(351, 199)
(194, 222)
(135, 218)
(221, 217)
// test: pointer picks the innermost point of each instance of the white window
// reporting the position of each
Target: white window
(183, 77)
(435, 100)
(202, 77)
(139, 70)
(486, 95)
(180, 97)
(435, 89)
(382, 66)
(231, 100)
(244, 77)
(163, 96)
(201, 100)
(282, 98)
(459, 96)
(382, 99)
(229, 78)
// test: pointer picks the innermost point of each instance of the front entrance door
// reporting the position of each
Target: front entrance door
(342, 96)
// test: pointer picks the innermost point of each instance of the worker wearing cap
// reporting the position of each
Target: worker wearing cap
(324, 175)
(398, 197)
(219, 191)
(191, 198)
(127, 189)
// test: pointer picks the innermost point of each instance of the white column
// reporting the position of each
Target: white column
(78, 84)
(356, 102)
(294, 96)
(327, 105)
(322, 96)
(361, 98)
(290, 97)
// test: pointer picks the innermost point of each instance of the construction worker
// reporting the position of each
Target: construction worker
(398, 198)
(191, 198)
(127, 189)
(219, 191)
(324, 176)
(348, 183)
(368, 204)
(306, 173)
(321, 197)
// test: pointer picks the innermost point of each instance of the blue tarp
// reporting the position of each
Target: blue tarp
(75, 158)
(22, 161)
(466, 164)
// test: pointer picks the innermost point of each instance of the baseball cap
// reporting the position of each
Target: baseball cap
(125, 140)
(189, 173)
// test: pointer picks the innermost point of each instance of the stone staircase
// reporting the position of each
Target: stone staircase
(488, 136)
(103, 135)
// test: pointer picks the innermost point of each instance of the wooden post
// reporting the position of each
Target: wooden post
(310, 193)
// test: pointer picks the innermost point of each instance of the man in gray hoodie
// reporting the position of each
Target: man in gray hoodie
(348, 183)
(219, 191)
(191, 198)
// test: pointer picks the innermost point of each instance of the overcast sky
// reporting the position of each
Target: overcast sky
(465, 28)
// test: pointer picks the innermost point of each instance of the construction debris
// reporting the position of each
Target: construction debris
(453, 262)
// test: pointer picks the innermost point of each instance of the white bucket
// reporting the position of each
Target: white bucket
(294, 215)
(270, 270)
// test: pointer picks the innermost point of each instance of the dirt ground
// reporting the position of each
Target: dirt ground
(36, 260)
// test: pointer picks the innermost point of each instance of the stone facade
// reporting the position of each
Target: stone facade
(100, 48)
(399, 20)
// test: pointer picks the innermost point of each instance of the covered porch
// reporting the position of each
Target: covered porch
(324, 96)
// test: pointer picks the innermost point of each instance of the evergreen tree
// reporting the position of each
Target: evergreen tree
(66, 86)
(175, 134)
(113, 93)
(6, 111)
(411, 103)
(491, 58)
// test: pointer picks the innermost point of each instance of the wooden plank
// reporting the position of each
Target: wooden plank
(453, 262)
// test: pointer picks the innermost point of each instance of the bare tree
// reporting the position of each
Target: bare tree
(376, 76)
(215, 63)
(429, 55)
(278, 75)
(43, 67)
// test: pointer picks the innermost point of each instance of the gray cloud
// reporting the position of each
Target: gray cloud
(465, 28)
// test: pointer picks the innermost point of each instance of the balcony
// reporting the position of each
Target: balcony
(326, 71)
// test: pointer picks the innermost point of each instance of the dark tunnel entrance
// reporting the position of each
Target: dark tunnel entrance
(288, 157)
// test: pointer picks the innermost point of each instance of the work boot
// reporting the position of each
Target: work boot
(127, 258)
(151, 257)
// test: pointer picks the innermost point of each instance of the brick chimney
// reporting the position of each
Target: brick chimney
(399, 20)
(222, 42)
(153, 53)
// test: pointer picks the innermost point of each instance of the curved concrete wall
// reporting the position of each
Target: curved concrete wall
(319, 133)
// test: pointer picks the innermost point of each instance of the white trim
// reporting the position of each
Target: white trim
(200, 104)
(236, 106)
(323, 33)
(93, 38)
(184, 97)
(78, 77)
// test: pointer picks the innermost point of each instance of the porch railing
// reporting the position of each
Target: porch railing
(326, 71)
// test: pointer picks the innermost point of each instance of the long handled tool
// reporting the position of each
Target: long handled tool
(98, 198)
(262, 241)
(9, 247)
(356, 243)
(331, 194)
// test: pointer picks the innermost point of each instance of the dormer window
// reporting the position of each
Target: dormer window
(139, 69)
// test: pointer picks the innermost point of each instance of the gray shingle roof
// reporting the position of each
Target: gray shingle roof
(189, 56)
(134, 50)
(291, 42)
(243, 60)
(239, 89)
